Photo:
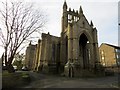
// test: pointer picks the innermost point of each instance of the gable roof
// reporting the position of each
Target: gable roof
(117, 47)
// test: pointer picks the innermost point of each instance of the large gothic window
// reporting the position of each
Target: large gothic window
(66, 48)
(84, 50)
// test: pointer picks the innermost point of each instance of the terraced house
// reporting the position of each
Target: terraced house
(109, 55)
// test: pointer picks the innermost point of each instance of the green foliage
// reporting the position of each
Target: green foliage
(13, 80)
(18, 64)
(19, 58)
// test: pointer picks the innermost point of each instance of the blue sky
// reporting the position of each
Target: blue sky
(103, 13)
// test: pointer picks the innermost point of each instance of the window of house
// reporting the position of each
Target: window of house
(118, 50)
(102, 52)
(103, 58)
(103, 64)
(118, 63)
(117, 56)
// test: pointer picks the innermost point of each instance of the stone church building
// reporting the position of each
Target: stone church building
(71, 53)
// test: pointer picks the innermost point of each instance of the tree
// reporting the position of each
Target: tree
(19, 58)
(20, 21)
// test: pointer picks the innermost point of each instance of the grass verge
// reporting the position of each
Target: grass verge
(14, 80)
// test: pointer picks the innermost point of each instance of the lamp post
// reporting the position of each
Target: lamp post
(118, 67)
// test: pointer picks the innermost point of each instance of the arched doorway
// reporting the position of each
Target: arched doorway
(84, 51)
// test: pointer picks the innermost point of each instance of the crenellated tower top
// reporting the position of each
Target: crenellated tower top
(71, 16)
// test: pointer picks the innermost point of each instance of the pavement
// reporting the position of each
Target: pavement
(51, 81)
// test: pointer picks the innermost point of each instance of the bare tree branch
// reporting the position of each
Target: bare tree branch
(20, 22)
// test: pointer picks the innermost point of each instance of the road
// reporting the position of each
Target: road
(50, 81)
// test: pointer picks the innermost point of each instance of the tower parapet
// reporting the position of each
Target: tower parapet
(70, 16)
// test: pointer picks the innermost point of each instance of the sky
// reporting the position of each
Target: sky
(119, 24)
(103, 13)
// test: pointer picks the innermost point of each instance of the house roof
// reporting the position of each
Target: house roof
(117, 47)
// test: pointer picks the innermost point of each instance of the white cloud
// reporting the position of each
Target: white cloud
(103, 13)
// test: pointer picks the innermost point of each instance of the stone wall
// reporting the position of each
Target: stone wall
(82, 44)
(30, 56)
(49, 53)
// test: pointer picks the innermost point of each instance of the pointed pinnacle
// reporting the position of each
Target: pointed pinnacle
(65, 4)
(77, 11)
(73, 10)
(80, 10)
(91, 23)
(30, 42)
(39, 40)
(69, 9)
(48, 33)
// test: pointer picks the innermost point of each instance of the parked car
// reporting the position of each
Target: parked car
(15, 68)
(24, 68)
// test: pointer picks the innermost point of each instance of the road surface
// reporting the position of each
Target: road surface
(49, 81)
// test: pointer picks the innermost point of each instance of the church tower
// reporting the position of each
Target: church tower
(64, 17)
(79, 44)
(63, 38)
(74, 52)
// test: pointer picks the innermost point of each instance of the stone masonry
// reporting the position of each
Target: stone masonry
(76, 50)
